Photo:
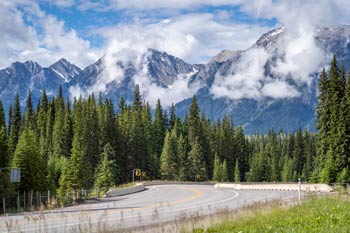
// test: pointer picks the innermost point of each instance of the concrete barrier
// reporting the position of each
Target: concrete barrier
(278, 187)
(124, 191)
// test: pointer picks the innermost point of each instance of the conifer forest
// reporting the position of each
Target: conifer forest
(64, 144)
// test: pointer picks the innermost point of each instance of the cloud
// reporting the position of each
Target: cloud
(297, 56)
(28, 33)
(193, 37)
(173, 4)
(149, 5)
(244, 79)
(279, 89)
(15, 36)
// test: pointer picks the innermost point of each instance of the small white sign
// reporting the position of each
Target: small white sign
(15, 175)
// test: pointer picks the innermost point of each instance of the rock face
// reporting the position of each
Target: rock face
(268, 113)
(163, 70)
(22, 77)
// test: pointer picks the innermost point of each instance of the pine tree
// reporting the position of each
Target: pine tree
(29, 121)
(194, 124)
(159, 129)
(197, 164)
(2, 117)
(73, 175)
(182, 156)
(15, 127)
(4, 160)
(242, 153)
(172, 116)
(237, 175)
(216, 171)
(10, 119)
(224, 171)
(106, 173)
(169, 159)
(27, 158)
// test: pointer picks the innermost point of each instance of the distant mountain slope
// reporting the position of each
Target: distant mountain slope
(22, 77)
(264, 114)
(162, 72)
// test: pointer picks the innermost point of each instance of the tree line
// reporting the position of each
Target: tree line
(63, 146)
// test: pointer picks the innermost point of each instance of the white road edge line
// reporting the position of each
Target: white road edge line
(134, 216)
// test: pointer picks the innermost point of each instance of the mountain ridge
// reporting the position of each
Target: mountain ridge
(163, 70)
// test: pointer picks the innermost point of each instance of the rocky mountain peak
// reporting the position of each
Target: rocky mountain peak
(223, 56)
(65, 69)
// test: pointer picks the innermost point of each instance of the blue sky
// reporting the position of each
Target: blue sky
(85, 20)
(82, 31)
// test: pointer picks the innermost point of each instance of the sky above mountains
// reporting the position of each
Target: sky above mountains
(195, 30)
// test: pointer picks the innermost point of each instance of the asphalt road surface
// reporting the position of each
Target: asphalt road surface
(157, 204)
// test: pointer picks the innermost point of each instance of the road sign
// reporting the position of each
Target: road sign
(15, 175)
(137, 172)
(143, 174)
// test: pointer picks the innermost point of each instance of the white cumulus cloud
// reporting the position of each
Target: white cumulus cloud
(298, 54)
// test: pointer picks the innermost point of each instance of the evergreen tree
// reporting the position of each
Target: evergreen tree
(27, 158)
(172, 116)
(224, 171)
(159, 129)
(182, 156)
(4, 160)
(106, 173)
(15, 127)
(2, 117)
(29, 121)
(237, 176)
(197, 164)
(169, 159)
(217, 169)
(242, 153)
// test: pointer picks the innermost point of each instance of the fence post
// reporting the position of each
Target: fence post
(18, 204)
(40, 199)
(48, 199)
(4, 205)
(37, 200)
(31, 199)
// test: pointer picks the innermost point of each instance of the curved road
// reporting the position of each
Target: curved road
(157, 204)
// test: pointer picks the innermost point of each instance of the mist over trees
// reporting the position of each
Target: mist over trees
(62, 145)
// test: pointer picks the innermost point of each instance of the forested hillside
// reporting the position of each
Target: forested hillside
(62, 145)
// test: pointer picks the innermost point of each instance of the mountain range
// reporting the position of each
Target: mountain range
(167, 73)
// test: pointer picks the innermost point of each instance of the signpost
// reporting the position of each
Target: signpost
(15, 174)
(135, 172)
(15, 177)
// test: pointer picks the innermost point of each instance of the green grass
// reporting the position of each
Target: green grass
(326, 214)
(124, 185)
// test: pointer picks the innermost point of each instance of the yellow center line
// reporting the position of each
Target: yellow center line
(197, 195)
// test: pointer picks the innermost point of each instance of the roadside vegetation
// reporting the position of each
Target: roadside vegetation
(325, 214)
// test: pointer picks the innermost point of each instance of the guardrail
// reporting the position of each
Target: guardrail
(278, 187)
(160, 182)
(124, 191)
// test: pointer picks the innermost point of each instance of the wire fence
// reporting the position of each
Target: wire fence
(342, 188)
(39, 201)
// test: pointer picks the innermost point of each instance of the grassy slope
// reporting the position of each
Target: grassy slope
(327, 214)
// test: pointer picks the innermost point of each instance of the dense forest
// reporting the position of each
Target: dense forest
(62, 145)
